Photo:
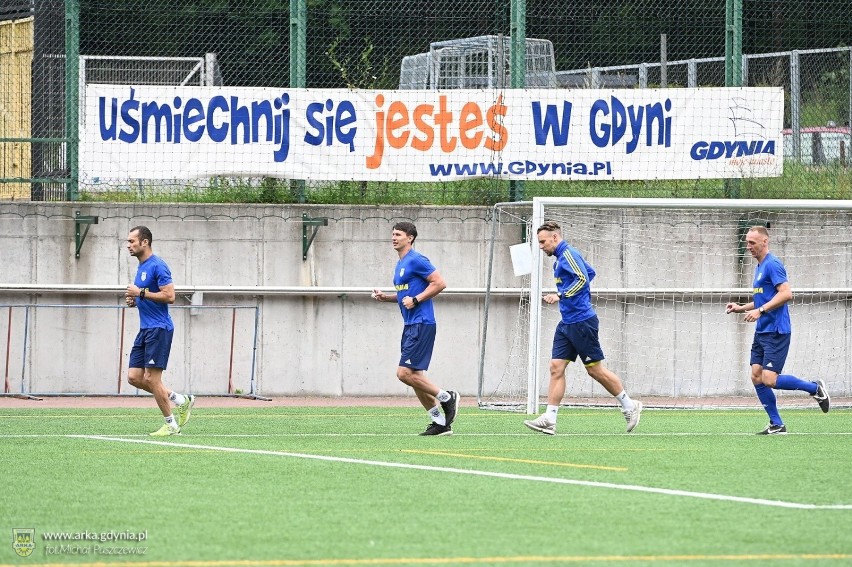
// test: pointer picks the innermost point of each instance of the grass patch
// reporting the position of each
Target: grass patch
(239, 486)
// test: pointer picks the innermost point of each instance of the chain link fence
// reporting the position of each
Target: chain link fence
(436, 44)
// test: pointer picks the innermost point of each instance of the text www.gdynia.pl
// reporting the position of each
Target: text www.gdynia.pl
(520, 168)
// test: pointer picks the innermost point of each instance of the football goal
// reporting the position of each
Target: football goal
(665, 270)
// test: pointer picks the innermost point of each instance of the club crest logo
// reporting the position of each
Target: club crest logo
(23, 541)
(143, 276)
(401, 272)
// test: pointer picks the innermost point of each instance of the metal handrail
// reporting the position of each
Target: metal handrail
(94, 289)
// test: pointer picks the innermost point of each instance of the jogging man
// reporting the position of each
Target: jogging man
(416, 282)
(577, 333)
(152, 292)
(772, 332)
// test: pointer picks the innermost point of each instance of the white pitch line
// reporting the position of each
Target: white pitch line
(614, 486)
(516, 434)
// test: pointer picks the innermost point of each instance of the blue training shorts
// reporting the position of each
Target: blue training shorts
(578, 339)
(151, 348)
(770, 350)
(416, 345)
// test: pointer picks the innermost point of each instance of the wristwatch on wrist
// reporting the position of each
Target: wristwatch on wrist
(762, 309)
(415, 300)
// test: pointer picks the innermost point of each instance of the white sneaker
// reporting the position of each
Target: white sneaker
(632, 416)
(541, 424)
(166, 430)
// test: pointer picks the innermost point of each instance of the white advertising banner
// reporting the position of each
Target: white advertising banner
(161, 132)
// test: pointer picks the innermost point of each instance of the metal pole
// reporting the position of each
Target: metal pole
(664, 59)
(500, 70)
(72, 96)
(729, 30)
(252, 389)
(298, 43)
(519, 41)
(733, 66)
(518, 71)
(121, 347)
(8, 351)
(298, 65)
(795, 104)
(534, 324)
(24, 350)
(231, 361)
(489, 272)
(733, 43)
(737, 73)
(737, 51)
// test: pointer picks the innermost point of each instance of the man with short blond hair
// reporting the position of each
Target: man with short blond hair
(576, 334)
(768, 309)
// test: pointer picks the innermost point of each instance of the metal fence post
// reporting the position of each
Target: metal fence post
(298, 65)
(519, 69)
(72, 96)
(795, 104)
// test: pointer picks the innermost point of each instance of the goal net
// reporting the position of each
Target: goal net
(665, 270)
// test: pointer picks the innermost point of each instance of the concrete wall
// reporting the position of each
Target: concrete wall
(348, 344)
(328, 345)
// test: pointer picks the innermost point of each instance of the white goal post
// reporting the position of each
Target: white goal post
(665, 270)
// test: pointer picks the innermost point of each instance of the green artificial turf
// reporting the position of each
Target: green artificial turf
(253, 487)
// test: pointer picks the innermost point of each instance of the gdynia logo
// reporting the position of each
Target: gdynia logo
(731, 149)
(23, 541)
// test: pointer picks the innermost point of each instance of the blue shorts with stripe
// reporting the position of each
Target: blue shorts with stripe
(416, 345)
(151, 348)
(578, 339)
(770, 350)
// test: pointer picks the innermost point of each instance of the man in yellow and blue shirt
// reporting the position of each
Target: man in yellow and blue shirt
(577, 332)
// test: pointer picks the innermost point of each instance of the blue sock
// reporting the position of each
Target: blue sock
(789, 382)
(767, 398)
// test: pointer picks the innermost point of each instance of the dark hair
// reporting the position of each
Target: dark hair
(549, 226)
(408, 228)
(144, 234)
